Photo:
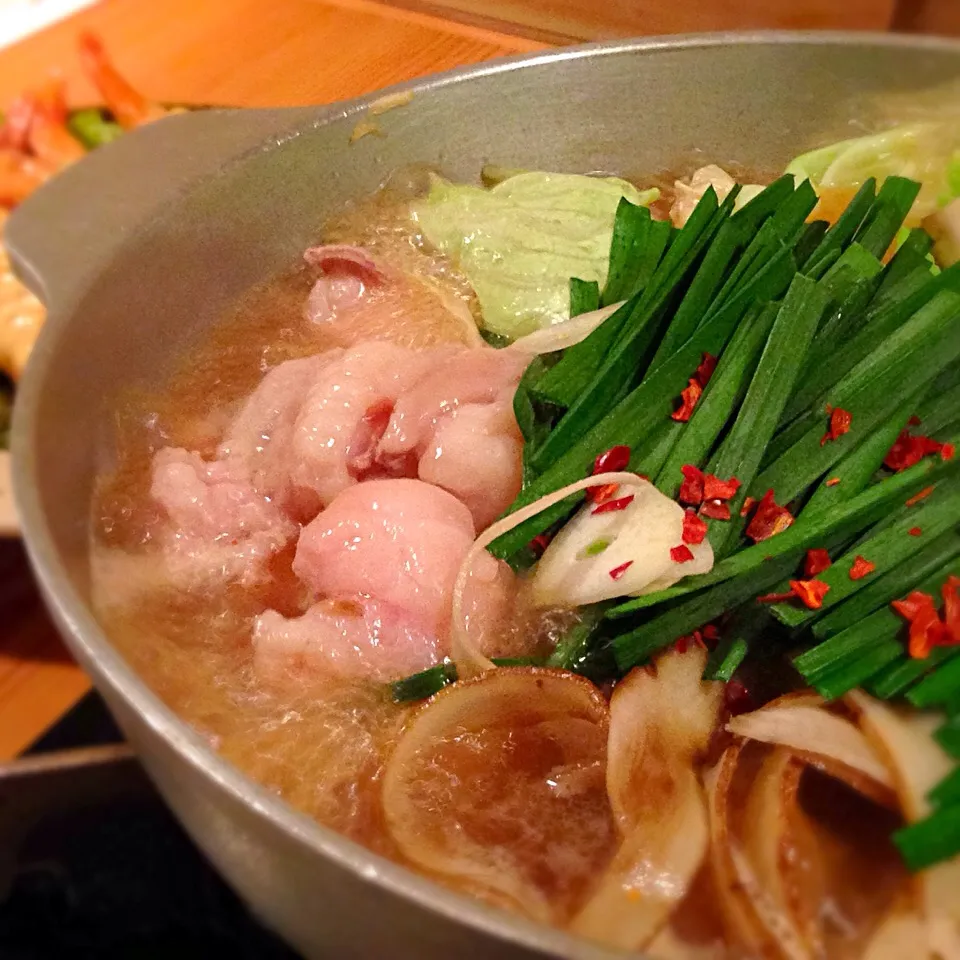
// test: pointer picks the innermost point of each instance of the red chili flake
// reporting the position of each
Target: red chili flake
(832, 482)
(909, 450)
(694, 529)
(811, 592)
(861, 567)
(681, 554)
(689, 397)
(776, 597)
(817, 561)
(914, 421)
(748, 504)
(840, 421)
(736, 698)
(716, 489)
(617, 572)
(922, 495)
(911, 605)
(540, 543)
(691, 490)
(947, 450)
(602, 493)
(951, 607)
(711, 632)
(926, 628)
(695, 639)
(715, 510)
(612, 460)
(612, 506)
(768, 520)
(915, 531)
(705, 371)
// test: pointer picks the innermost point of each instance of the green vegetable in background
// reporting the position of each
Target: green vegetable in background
(93, 128)
(521, 241)
(928, 152)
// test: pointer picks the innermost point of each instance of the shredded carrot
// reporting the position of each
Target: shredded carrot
(831, 203)
(832, 482)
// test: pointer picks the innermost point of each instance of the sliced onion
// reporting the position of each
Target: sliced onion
(897, 937)
(755, 918)
(458, 745)
(559, 336)
(918, 764)
(659, 722)
(781, 847)
(467, 656)
(670, 710)
(802, 723)
(638, 540)
(668, 944)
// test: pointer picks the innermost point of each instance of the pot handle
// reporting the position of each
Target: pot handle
(65, 233)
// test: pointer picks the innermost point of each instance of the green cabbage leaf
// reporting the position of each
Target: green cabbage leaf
(520, 242)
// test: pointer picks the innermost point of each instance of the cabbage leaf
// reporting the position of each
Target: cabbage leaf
(520, 242)
(927, 152)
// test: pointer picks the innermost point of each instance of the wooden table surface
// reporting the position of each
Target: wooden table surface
(245, 52)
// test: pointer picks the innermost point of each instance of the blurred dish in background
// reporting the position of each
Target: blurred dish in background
(40, 136)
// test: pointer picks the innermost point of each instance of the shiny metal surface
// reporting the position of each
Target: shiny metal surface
(139, 248)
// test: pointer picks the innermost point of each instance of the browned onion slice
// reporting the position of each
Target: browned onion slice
(900, 935)
(659, 722)
(781, 847)
(753, 917)
(495, 784)
(905, 741)
(802, 723)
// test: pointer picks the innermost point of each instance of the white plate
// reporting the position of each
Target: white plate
(9, 525)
